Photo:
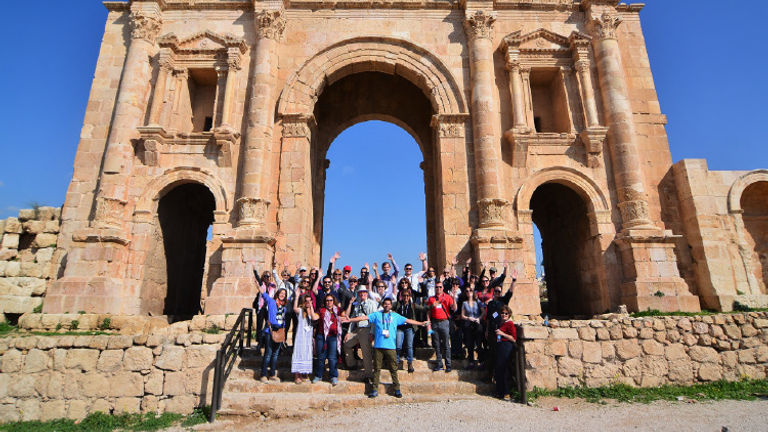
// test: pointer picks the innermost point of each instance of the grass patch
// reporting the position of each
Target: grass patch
(100, 422)
(719, 390)
(656, 312)
(6, 329)
(68, 333)
(214, 329)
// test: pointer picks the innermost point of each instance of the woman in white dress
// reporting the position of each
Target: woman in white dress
(301, 360)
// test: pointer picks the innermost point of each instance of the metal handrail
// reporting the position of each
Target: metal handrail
(237, 339)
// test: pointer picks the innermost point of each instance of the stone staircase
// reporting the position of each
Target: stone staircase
(244, 394)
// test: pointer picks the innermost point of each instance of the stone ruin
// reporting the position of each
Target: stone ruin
(219, 114)
(27, 248)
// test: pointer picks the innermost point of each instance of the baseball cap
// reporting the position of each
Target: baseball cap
(302, 268)
(492, 269)
(347, 268)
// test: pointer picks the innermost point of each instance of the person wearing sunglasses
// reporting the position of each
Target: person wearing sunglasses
(506, 337)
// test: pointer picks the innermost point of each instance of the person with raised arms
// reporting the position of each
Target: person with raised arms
(385, 324)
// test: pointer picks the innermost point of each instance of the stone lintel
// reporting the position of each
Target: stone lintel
(101, 235)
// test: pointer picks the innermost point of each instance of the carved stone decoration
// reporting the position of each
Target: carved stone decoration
(449, 126)
(635, 211)
(480, 25)
(298, 126)
(109, 212)
(252, 211)
(593, 139)
(145, 25)
(270, 24)
(492, 211)
(605, 26)
(225, 139)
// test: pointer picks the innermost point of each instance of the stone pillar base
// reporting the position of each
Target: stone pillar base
(650, 268)
(91, 280)
(236, 288)
(525, 300)
(104, 295)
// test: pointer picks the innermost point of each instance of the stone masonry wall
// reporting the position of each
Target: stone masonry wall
(27, 247)
(647, 352)
(169, 368)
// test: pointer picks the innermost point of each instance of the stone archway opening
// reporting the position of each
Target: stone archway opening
(176, 259)
(561, 216)
(364, 96)
(754, 203)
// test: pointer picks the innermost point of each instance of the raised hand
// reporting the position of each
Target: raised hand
(335, 256)
(367, 267)
(389, 256)
(422, 256)
(469, 260)
(514, 274)
(375, 266)
(454, 261)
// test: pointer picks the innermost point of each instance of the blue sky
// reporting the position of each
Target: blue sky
(708, 65)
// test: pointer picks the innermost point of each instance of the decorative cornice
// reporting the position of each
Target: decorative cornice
(270, 24)
(450, 125)
(479, 25)
(298, 125)
(145, 25)
(229, 41)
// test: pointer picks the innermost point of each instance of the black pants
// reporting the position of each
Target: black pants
(504, 352)
(473, 334)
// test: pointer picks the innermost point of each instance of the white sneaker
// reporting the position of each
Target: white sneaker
(264, 379)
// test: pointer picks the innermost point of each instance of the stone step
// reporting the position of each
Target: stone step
(284, 362)
(419, 353)
(421, 373)
(350, 387)
(302, 404)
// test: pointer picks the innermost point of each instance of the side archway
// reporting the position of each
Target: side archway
(748, 206)
(738, 187)
(159, 186)
(572, 216)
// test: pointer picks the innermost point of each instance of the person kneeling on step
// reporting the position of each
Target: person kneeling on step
(385, 324)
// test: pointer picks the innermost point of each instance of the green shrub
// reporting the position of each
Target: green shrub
(105, 323)
(75, 324)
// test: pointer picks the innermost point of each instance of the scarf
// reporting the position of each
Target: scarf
(328, 317)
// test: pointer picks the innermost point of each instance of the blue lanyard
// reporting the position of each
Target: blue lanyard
(387, 318)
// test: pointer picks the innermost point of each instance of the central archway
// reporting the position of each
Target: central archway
(373, 79)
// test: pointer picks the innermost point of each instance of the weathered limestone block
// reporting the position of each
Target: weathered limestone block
(15, 304)
(761, 323)
(575, 349)
(603, 334)
(587, 333)
(710, 372)
(55, 387)
(632, 367)
(54, 409)
(570, 367)
(10, 241)
(627, 349)
(592, 352)
(36, 361)
(77, 410)
(95, 385)
(9, 413)
(646, 333)
(651, 347)
(178, 404)
(138, 358)
(681, 371)
(616, 332)
(199, 356)
(13, 226)
(675, 352)
(22, 386)
(174, 384)
(630, 332)
(101, 405)
(45, 240)
(747, 356)
(127, 405)
(690, 340)
(609, 350)
(11, 361)
(30, 409)
(59, 359)
(729, 359)
(674, 336)
(120, 342)
(700, 328)
(539, 362)
(732, 331)
(565, 333)
(150, 404)
(171, 358)
(751, 372)
(126, 384)
(83, 359)
(4, 380)
(702, 354)
(153, 383)
(685, 324)
(748, 331)
(110, 361)
(536, 332)
(544, 378)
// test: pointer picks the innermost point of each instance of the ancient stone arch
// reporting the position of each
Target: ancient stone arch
(159, 186)
(750, 234)
(738, 186)
(380, 54)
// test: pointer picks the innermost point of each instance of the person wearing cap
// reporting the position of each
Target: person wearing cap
(359, 331)
(301, 272)
(385, 323)
(440, 307)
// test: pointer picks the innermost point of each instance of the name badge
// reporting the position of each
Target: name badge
(438, 306)
(385, 333)
(495, 315)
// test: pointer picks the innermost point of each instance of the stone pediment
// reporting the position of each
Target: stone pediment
(542, 40)
(202, 42)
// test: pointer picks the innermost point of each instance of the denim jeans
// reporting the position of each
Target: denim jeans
(441, 341)
(504, 352)
(270, 356)
(325, 348)
(405, 337)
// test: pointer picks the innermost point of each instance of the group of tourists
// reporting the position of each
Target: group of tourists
(384, 314)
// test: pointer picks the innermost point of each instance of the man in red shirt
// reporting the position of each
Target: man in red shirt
(440, 307)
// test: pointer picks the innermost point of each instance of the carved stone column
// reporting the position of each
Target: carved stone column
(593, 135)
(491, 207)
(159, 96)
(233, 63)
(627, 169)
(516, 91)
(145, 22)
(520, 134)
(270, 25)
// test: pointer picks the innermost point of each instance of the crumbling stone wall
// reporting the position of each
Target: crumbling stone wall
(647, 352)
(27, 247)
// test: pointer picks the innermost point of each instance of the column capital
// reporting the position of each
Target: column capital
(234, 59)
(605, 26)
(270, 24)
(493, 211)
(581, 65)
(252, 211)
(479, 24)
(450, 125)
(298, 125)
(145, 25)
